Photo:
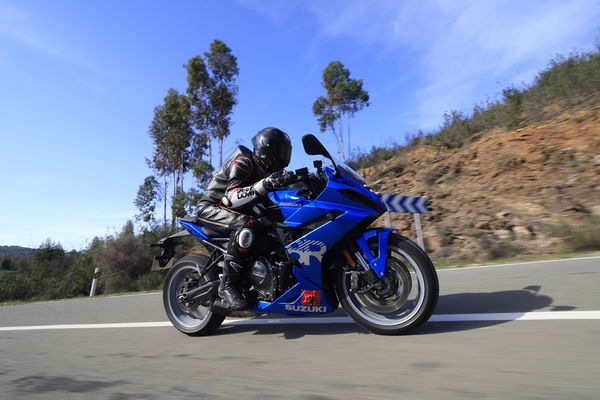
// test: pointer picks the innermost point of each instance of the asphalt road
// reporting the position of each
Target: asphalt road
(522, 359)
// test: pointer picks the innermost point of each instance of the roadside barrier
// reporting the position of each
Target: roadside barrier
(406, 204)
(95, 282)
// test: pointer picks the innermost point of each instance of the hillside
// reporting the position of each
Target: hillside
(15, 251)
(508, 192)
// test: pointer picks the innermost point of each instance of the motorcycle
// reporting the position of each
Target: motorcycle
(320, 252)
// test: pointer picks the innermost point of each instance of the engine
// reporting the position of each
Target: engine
(263, 279)
(270, 280)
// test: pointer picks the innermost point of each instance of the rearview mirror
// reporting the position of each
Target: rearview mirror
(313, 147)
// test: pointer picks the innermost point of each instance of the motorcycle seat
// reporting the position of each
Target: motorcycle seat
(212, 231)
(215, 234)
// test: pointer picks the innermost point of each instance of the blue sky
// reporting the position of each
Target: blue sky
(79, 82)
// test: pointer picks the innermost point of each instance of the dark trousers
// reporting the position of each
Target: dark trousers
(225, 222)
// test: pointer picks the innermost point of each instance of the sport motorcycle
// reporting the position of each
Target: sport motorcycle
(319, 251)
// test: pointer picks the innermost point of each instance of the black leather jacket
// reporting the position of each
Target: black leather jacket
(233, 184)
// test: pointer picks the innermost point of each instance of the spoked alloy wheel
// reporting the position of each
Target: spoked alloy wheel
(191, 317)
(402, 300)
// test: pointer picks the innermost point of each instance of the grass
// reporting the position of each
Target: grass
(122, 293)
(475, 263)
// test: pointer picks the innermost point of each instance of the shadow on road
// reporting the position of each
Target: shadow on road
(293, 331)
(510, 301)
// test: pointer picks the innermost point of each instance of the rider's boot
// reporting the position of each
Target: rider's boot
(230, 288)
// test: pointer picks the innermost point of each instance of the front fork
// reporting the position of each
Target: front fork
(372, 262)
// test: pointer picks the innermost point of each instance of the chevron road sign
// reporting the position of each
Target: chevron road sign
(406, 204)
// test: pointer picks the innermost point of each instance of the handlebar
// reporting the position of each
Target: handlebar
(300, 175)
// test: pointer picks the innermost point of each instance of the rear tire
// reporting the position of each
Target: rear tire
(191, 318)
(408, 295)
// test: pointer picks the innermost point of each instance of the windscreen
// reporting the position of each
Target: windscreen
(348, 172)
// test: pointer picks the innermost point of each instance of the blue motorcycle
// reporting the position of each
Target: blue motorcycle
(320, 252)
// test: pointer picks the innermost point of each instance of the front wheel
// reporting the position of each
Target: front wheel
(194, 317)
(399, 302)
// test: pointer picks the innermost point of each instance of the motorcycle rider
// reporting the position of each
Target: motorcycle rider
(243, 180)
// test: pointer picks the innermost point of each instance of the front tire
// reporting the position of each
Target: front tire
(406, 296)
(191, 318)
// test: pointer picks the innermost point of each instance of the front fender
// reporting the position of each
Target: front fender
(378, 261)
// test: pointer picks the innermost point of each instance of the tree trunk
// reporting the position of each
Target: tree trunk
(209, 148)
(220, 150)
(165, 201)
(349, 149)
(181, 176)
(173, 198)
(175, 182)
(342, 155)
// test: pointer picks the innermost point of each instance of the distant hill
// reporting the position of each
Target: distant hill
(16, 251)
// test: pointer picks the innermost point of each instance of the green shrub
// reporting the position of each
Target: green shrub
(506, 160)
(578, 238)
(151, 281)
(496, 248)
(13, 286)
(445, 236)
(375, 156)
(454, 132)
(52, 273)
(123, 259)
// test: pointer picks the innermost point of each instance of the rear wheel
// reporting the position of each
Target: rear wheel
(399, 302)
(194, 317)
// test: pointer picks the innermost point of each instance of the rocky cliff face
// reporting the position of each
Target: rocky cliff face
(505, 192)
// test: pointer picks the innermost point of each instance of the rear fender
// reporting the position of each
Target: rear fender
(166, 259)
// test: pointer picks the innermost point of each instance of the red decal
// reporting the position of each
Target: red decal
(311, 298)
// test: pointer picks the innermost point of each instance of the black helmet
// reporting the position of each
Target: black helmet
(273, 148)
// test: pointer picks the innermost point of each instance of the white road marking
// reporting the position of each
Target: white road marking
(529, 316)
(517, 263)
(524, 316)
(86, 326)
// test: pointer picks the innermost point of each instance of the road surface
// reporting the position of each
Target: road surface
(536, 335)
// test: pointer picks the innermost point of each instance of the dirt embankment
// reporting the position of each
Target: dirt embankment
(506, 192)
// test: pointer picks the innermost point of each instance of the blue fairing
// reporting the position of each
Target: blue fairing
(377, 261)
(311, 248)
(288, 201)
(339, 215)
(195, 230)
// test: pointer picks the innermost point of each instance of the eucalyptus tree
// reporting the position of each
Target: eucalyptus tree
(222, 96)
(345, 96)
(172, 133)
(159, 162)
(200, 85)
(147, 197)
